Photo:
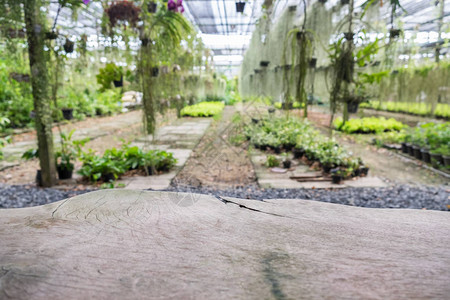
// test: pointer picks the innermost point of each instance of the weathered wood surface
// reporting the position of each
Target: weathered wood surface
(152, 245)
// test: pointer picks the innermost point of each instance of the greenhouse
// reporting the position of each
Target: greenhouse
(235, 149)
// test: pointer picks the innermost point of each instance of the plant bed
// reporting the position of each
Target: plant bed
(413, 108)
(314, 149)
(203, 109)
(368, 125)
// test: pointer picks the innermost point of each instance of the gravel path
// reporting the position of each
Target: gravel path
(17, 196)
(401, 196)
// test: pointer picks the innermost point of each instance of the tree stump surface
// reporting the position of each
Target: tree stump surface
(122, 244)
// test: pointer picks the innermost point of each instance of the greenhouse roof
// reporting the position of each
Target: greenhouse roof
(228, 32)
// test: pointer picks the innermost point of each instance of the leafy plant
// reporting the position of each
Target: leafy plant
(107, 75)
(203, 109)
(69, 151)
(368, 125)
(272, 161)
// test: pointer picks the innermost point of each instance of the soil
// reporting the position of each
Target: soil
(215, 161)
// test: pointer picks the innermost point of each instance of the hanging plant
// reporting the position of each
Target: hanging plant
(240, 6)
(68, 46)
(175, 6)
(123, 11)
(152, 6)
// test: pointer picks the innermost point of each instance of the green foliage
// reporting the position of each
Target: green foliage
(3, 142)
(368, 125)
(416, 108)
(203, 109)
(287, 133)
(69, 150)
(436, 136)
(272, 161)
(116, 162)
(392, 137)
(107, 75)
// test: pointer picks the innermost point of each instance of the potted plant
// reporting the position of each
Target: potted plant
(110, 74)
(286, 161)
(298, 152)
(67, 154)
(264, 63)
(123, 11)
(313, 62)
(272, 161)
(394, 33)
(337, 175)
(155, 71)
(240, 6)
(152, 6)
(68, 46)
(425, 154)
(67, 113)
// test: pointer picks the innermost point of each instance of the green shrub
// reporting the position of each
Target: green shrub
(435, 136)
(116, 162)
(368, 125)
(272, 161)
(203, 109)
(442, 110)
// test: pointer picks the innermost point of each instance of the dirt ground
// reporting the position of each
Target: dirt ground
(215, 162)
(25, 173)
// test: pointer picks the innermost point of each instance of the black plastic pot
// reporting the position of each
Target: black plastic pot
(155, 72)
(336, 179)
(240, 7)
(436, 160)
(352, 107)
(287, 105)
(363, 171)
(298, 152)
(410, 149)
(446, 160)
(39, 178)
(356, 173)
(417, 152)
(51, 35)
(292, 8)
(349, 36)
(313, 62)
(118, 83)
(108, 177)
(394, 33)
(152, 6)
(264, 63)
(300, 35)
(344, 2)
(255, 121)
(68, 46)
(404, 148)
(271, 110)
(327, 168)
(426, 155)
(64, 173)
(150, 171)
(322, 1)
(67, 113)
(287, 163)
(277, 149)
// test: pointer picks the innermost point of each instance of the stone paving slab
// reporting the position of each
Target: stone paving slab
(119, 244)
(179, 138)
(268, 179)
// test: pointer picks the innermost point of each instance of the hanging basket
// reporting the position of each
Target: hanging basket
(394, 33)
(152, 6)
(349, 36)
(313, 62)
(264, 63)
(51, 35)
(240, 7)
(155, 72)
(118, 83)
(344, 2)
(68, 46)
(292, 8)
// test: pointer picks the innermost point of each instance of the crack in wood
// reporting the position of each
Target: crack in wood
(226, 201)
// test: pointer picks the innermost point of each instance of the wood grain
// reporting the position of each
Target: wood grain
(120, 244)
